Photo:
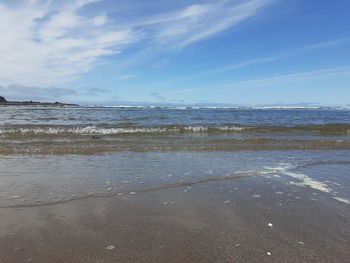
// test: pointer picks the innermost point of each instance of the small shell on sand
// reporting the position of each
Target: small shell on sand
(270, 225)
(120, 194)
(39, 200)
(268, 253)
(109, 189)
(226, 202)
(132, 193)
(110, 247)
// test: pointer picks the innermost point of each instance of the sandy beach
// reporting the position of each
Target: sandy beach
(193, 215)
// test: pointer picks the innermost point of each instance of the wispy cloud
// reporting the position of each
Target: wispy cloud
(276, 79)
(328, 44)
(50, 43)
(272, 58)
(200, 21)
(292, 77)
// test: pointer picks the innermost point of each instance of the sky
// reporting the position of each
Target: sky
(239, 52)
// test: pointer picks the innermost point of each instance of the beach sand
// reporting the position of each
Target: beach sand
(244, 219)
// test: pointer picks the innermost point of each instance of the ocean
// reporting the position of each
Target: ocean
(98, 184)
(62, 130)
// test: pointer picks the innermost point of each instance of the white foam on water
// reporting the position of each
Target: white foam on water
(93, 130)
(275, 170)
(343, 200)
(308, 181)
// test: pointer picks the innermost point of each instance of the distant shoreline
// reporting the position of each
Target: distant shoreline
(36, 103)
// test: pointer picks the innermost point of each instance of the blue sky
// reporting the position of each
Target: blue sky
(229, 51)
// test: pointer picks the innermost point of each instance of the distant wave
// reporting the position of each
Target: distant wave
(194, 107)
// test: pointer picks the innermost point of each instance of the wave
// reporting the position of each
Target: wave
(343, 129)
(95, 130)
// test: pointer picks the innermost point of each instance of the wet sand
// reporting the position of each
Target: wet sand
(162, 217)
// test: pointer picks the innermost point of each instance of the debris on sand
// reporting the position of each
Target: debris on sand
(227, 202)
(268, 253)
(270, 225)
(256, 196)
(110, 247)
(132, 193)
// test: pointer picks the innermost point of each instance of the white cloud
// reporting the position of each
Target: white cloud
(45, 45)
(50, 43)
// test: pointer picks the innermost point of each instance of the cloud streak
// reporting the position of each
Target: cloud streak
(277, 79)
(199, 21)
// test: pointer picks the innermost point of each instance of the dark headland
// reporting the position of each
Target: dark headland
(4, 102)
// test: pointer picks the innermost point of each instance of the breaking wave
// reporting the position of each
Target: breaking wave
(94, 130)
(33, 130)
